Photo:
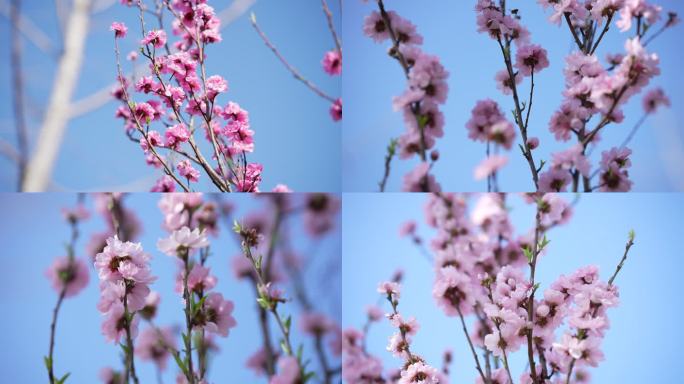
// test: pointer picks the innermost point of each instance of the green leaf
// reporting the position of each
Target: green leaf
(285, 348)
(288, 323)
(63, 379)
(124, 348)
(544, 242)
(422, 120)
(632, 234)
(180, 363)
(236, 226)
(528, 254)
(257, 262)
(48, 362)
(264, 302)
(300, 352)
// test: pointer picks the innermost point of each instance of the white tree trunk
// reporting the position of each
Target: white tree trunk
(39, 170)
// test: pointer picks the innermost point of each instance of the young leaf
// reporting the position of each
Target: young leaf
(63, 379)
(48, 362)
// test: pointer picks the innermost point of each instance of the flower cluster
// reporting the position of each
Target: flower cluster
(481, 270)
(426, 90)
(592, 89)
(184, 100)
(125, 276)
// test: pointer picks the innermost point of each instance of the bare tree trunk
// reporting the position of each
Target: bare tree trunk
(39, 170)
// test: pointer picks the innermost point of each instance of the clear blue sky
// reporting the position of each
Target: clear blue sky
(34, 233)
(644, 340)
(448, 27)
(296, 140)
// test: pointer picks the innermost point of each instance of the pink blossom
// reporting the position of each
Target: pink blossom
(489, 166)
(216, 315)
(119, 29)
(503, 81)
(316, 324)
(123, 260)
(164, 184)
(654, 99)
(419, 373)
(199, 280)
(281, 188)
(554, 180)
(176, 134)
(183, 239)
(215, 85)
(407, 228)
(420, 180)
(186, 170)
(68, 274)
(155, 37)
(320, 213)
(390, 288)
(77, 213)
(332, 62)
(288, 371)
(453, 291)
(154, 344)
(336, 110)
(530, 59)
(113, 328)
(257, 362)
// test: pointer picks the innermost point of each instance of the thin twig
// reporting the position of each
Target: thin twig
(297, 75)
(18, 88)
(331, 25)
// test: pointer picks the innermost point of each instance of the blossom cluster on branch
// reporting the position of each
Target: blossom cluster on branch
(183, 100)
(485, 275)
(269, 262)
(594, 97)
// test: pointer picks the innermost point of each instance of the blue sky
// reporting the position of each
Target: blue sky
(296, 140)
(643, 339)
(34, 234)
(372, 78)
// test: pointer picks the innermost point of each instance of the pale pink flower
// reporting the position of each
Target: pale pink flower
(288, 371)
(113, 328)
(531, 58)
(407, 228)
(154, 344)
(316, 324)
(181, 239)
(654, 99)
(68, 274)
(490, 166)
(216, 315)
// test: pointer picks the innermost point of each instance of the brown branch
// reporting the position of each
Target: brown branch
(331, 25)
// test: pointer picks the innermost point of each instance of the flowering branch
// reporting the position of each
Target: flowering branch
(69, 276)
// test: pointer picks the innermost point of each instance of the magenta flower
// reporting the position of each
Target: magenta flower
(68, 274)
(155, 37)
(119, 29)
(332, 62)
(316, 324)
(336, 110)
(186, 170)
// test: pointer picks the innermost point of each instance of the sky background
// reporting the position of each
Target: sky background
(643, 342)
(296, 140)
(28, 298)
(449, 30)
